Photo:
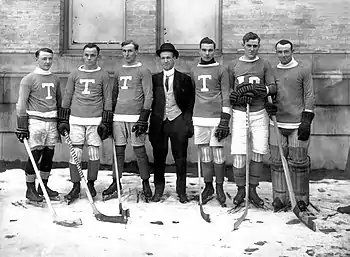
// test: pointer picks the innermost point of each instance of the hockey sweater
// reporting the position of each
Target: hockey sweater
(294, 95)
(87, 94)
(132, 91)
(39, 95)
(212, 93)
(259, 71)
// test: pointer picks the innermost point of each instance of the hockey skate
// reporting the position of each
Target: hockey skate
(254, 198)
(220, 195)
(279, 206)
(91, 187)
(238, 200)
(111, 191)
(208, 192)
(74, 194)
(32, 196)
(54, 195)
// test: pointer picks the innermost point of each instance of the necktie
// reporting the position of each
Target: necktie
(167, 83)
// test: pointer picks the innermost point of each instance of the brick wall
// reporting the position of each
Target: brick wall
(28, 25)
(314, 25)
(318, 28)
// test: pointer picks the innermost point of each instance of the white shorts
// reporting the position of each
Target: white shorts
(259, 127)
(80, 134)
(206, 135)
(42, 133)
(122, 133)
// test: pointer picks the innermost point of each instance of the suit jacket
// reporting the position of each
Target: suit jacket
(184, 93)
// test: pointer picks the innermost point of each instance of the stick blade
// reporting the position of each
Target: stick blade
(69, 223)
(111, 219)
(204, 215)
(306, 219)
(124, 212)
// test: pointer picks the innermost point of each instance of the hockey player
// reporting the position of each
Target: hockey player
(87, 115)
(132, 100)
(253, 80)
(39, 97)
(211, 116)
(295, 104)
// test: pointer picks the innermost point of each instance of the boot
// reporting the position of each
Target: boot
(74, 193)
(158, 192)
(51, 193)
(32, 194)
(207, 192)
(220, 194)
(91, 187)
(146, 188)
(239, 198)
(254, 198)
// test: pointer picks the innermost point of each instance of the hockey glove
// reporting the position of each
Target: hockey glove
(259, 90)
(246, 98)
(305, 126)
(22, 131)
(105, 129)
(271, 109)
(63, 120)
(244, 88)
(141, 125)
(223, 129)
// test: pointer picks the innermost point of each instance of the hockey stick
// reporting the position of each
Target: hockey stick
(247, 162)
(124, 213)
(307, 220)
(65, 223)
(204, 215)
(98, 215)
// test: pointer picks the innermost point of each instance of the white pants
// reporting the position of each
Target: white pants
(259, 127)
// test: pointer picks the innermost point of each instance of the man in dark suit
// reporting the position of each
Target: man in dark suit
(171, 117)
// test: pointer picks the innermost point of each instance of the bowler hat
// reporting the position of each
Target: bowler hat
(168, 47)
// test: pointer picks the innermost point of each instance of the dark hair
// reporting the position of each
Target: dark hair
(250, 36)
(284, 42)
(206, 40)
(44, 49)
(132, 42)
(92, 45)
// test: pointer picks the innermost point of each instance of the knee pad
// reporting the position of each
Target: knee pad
(29, 169)
(297, 154)
(78, 152)
(257, 157)
(46, 160)
(94, 153)
(300, 176)
(205, 153)
(239, 160)
(218, 155)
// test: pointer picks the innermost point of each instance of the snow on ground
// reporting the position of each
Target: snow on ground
(29, 231)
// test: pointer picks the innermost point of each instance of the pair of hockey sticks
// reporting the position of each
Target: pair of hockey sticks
(98, 215)
(307, 220)
(206, 216)
(56, 220)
